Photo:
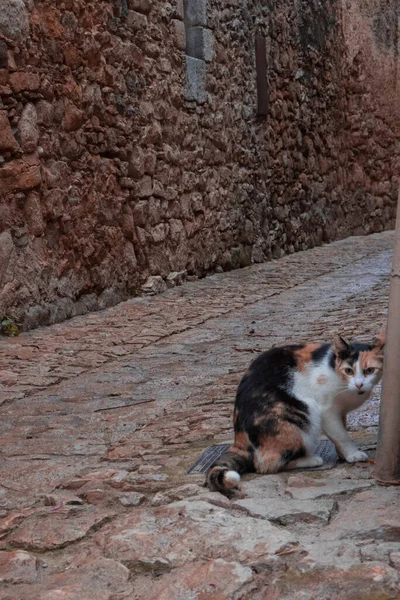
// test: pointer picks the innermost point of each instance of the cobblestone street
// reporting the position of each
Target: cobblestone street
(102, 415)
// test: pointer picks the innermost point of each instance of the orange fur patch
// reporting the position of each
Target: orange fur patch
(238, 451)
(267, 458)
(372, 359)
(276, 411)
(380, 341)
(304, 355)
(241, 440)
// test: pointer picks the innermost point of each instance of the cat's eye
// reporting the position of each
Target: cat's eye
(348, 371)
(369, 371)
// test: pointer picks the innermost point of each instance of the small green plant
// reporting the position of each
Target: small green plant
(9, 326)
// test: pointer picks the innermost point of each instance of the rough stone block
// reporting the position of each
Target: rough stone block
(27, 129)
(195, 79)
(180, 11)
(144, 187)
(33, 214)
(7, 139)
(136, 20)
(176, 278)
(20, 174)
(143, 6)
(3, 54)
(154, 285)
(132, 499)
(196, 12)
(198, 581)
(17, 566)
(6, 248)
(136, 163)
(200, 43)
(14, 20)
(20, 81)
(290, 511)
(73, 118)
(180, 34)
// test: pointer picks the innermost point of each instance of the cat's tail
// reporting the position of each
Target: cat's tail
(224, 475)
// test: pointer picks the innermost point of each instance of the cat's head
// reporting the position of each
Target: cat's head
(360, 365)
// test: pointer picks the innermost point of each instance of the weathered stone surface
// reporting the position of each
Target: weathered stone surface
(28, 132)
(14, 20)
(200, 43)
(21, 174)
(7, 139)
(143, 6)
(21, 81)
(34, 215)
(17, 566)
(372, 580)
(6, 249)
(146, 537)
(180, 34)
(86, 578)
(370, 514)
(55, 528)
(217, 579)
(327, 487)
(283, 511)
(132, 499)
(175, 278)
(196, 12)
(179, 493)
(154, 285)
(195, 79)
(376, 550)
(394, 558)
(3, 54)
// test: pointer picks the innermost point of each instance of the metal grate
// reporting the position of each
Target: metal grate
(207, 459)
(325, 449)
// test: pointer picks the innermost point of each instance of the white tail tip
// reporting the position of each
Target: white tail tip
(231, 479)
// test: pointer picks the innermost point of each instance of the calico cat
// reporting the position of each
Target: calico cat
(286, 397)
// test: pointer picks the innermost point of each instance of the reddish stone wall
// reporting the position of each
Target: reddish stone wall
(111, 171)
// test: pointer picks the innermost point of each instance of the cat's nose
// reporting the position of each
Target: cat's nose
(359, 385)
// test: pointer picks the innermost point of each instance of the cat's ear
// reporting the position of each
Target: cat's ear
(379, 342)
(341, 347)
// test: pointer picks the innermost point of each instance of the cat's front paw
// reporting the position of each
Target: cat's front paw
(315, 461)
(357, 456)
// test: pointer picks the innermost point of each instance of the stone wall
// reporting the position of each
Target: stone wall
(130, 144)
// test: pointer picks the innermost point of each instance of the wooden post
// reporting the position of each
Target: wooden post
(387, 468)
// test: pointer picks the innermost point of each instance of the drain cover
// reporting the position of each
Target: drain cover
(207, 459)
(325, 449)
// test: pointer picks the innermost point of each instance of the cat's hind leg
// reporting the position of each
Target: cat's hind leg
(274, 453)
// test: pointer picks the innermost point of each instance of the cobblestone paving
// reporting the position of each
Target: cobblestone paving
(102, 415)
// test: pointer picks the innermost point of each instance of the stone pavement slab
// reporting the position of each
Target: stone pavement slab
(102, 415)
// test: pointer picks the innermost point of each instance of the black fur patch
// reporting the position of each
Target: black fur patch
(265, 387)
(354, 351)
(320, 353)
(290, 455)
